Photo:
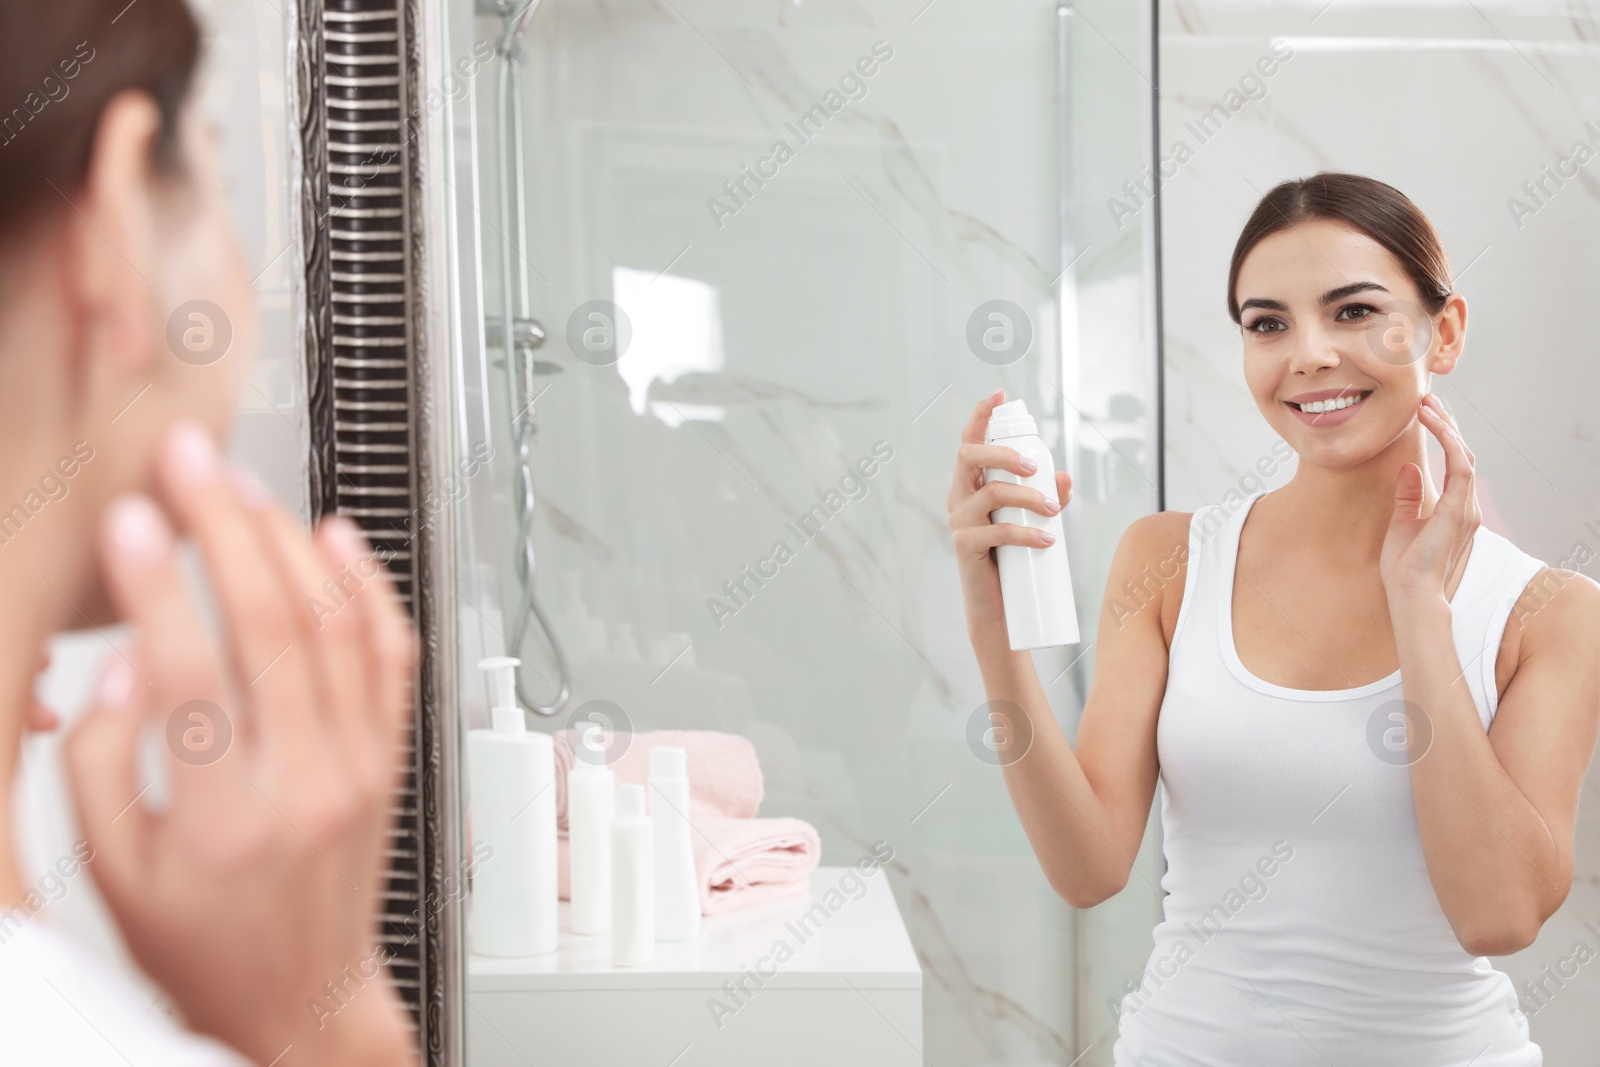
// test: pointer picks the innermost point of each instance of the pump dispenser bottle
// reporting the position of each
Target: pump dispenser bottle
(1035, 584)
(591, 800)
(677, 891)
(513, 810)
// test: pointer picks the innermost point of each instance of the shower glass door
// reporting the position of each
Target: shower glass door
(778, 251)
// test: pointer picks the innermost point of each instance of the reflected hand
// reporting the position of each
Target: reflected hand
(1419, 553)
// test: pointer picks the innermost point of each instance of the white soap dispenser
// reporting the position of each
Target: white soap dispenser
(677, 888)
(591, 803)
(1035, 584)
(511, 773)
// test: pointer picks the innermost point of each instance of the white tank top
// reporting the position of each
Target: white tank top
(1299, 925)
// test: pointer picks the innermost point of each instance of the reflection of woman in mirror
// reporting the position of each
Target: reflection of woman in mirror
(254, 891)
(1370, 714)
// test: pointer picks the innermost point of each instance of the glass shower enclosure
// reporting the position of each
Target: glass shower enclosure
(758, 250)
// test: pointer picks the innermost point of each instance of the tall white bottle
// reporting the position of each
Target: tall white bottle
(512, 775)
(1035, 583)
(633, 873)
(591, 804)
(677, 889)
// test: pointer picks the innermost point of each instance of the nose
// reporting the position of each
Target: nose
(1316, 348)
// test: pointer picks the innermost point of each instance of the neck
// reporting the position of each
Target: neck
(1343, 513)
(43, 568)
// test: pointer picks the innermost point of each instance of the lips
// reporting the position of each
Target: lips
(1328, 418)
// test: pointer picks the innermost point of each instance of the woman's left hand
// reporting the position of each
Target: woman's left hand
(1419, 553)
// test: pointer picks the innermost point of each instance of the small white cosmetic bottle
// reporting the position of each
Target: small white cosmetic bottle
(1035, 583)
(512, 778)
(677, 891)
(591, 805)
(633, 897)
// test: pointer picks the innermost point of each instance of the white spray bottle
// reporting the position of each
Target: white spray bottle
(591, 805)
(1035, 584)
(512, 777)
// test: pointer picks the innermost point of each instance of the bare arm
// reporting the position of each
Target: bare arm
(1496, 812)
(1084, 811)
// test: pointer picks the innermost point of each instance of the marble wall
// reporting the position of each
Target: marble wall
(1459, 104)
(784, 330)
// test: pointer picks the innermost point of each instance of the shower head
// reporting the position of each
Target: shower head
(516, 19)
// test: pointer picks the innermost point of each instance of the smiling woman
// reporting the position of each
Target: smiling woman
(1431, 799)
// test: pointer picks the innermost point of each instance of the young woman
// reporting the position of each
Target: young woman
(1371, 716)
(256, 885)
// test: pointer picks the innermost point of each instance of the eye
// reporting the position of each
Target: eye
(1266, 324)
(1366, 311)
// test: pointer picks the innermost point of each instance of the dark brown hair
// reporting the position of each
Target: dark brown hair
(61, 62)
(1380, 211)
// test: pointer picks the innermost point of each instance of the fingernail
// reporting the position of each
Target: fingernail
(192, 454)
(997, 392)
(348, 541)
(1048, 538)
(116, 683)
(248, 485)
(139, 535)
(1028, 465)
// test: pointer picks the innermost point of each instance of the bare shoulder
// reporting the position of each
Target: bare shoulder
(1149, 569)
(1557, 615)
(1558, 609)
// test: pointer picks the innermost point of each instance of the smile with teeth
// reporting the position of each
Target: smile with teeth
(1317, 407)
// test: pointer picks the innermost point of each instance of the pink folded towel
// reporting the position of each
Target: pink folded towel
(724, 774)
(739, 863)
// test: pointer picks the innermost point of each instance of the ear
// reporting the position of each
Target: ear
(112, 233)
(1451, 328)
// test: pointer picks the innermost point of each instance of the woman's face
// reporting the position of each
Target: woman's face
(1327, 313)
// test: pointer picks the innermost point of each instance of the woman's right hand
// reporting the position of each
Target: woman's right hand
(969, 505)
(253, 898)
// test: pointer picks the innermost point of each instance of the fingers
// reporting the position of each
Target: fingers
(975, 510)
(357, 624)
(977, 540)
(177, 660)
(390, 642)
(102, 771)
(1458, 459)
(1064, 487)
(271, 657)
(330, 629)
(973, 459)
(973, 432)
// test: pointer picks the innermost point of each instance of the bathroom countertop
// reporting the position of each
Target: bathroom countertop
(844, 943)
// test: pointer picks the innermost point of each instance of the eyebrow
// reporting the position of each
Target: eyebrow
(1325, 299)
